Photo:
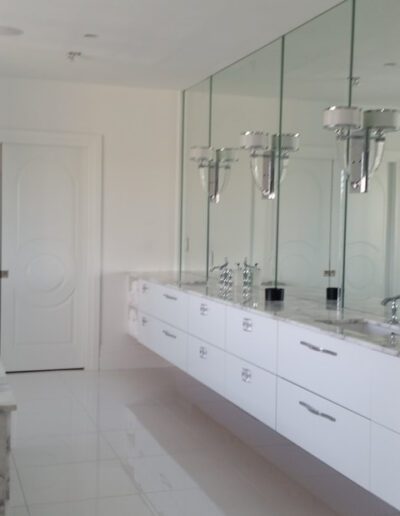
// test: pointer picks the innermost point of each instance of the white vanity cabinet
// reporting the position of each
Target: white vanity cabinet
(252, 337)
(207, 320)
(252, 389)
(331, 367)
(206, 363)
(385, 406)
(385, 464)
(335, 435)
(332, 396)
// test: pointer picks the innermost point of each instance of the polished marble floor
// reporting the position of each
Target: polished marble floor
(129, 443)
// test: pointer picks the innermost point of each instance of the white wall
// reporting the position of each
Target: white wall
(140, 164)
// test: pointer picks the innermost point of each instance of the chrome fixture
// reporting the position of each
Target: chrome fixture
(214, 167)
(361, 139)
(225, 278)
(263, 157)
(394, 319)
(249, 277)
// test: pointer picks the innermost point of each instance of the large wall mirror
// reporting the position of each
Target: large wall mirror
(194, 200)
(373, 219)
(316, 75)
(245, 97)
(316, 233)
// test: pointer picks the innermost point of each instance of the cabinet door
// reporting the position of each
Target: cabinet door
(147, 297)
(333, 434)
(206, 363)
(385, 464)
(331, 367)
(207, 320)
(251, 388)
(147, 331)
(252, 337)
(171, 344)
(385, 407)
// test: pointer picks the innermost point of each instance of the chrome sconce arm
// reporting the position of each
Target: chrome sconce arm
(214, 166)
(263, 157)
(360, 137)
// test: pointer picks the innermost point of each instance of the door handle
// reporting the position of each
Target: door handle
(4, 274)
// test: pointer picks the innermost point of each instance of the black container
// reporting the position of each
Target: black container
(274, 294)
(332, 293)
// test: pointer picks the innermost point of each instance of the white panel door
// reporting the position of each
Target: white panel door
(44, 320)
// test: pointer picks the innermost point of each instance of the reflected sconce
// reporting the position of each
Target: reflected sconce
(214, 166)
(360, 137)
(263, 157)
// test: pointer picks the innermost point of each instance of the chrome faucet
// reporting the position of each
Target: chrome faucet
(395, 306)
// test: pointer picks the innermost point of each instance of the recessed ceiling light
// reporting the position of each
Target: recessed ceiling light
(10, 31)
(90, 35)
(390, 63)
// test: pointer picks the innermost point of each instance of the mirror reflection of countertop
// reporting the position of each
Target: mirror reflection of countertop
(303, 310)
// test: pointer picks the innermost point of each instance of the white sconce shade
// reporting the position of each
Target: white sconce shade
(361, 139)
(251, 140)
(385, 120)
(342, 117)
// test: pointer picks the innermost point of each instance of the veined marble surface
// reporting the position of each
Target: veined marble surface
(302, 310)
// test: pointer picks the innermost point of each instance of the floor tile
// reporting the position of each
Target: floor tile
(182, 503)
(61, 449)
(117, 506)
(73, 482)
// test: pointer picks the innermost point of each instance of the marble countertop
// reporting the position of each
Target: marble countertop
(301, 309)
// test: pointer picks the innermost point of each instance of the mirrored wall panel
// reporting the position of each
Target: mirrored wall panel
(316, 75)
(373, 219)
(194, 201)
(244, 117)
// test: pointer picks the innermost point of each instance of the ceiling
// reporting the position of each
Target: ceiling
(150, 43)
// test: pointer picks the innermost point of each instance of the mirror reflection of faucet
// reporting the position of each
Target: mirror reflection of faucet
(394, 303)
(225, 278)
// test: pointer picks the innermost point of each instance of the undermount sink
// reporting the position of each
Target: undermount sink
(364, 326)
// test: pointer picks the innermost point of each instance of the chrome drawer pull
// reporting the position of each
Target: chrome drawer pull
(246, 375)
(168, 334)
(318, 348)
(247, 325)
(145, 288)
(144, 321)
(203, 309)
(203, 352)
(172, 298)
(317, 412)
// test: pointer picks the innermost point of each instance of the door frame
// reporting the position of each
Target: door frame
(93, 144)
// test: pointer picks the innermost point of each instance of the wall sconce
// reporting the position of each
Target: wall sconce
(361, 139)
(214, 167)
(263, 157)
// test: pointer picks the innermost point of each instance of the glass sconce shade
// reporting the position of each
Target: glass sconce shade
(263, 158)
(360, 140)
(214, 168)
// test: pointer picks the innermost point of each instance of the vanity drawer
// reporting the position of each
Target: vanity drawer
(172, 306)
(147, 331)
(385, 407)
(385, 464)
(171, 344)
(333, 368)
(335, 435)
(251, 388)
(206, 363)
(252, 337)
(207, 320)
